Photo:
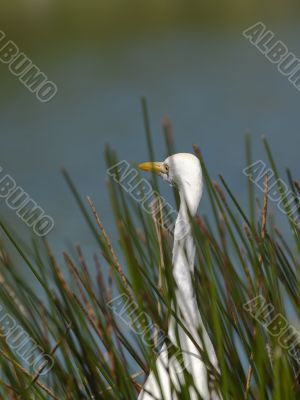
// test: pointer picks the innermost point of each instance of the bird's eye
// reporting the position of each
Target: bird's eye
(166, 167)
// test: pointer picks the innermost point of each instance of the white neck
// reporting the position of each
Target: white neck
(184, 252)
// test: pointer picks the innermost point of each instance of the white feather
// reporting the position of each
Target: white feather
(185, 172)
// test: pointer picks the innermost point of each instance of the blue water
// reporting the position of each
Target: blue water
(215, 87)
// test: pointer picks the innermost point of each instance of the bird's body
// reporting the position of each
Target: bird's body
(185, 172)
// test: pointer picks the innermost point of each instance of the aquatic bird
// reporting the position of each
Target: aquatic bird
(182, 170)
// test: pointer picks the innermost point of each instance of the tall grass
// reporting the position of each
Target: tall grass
(98, 355)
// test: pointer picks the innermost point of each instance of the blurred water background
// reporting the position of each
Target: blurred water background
(188, 58)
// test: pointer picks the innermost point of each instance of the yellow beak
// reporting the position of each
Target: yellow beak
(152, 166)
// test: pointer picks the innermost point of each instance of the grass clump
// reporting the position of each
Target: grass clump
(103, 329)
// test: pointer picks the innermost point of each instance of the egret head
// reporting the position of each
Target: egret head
(179, 169)
(182, 170)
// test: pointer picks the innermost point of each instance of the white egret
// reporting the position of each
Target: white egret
(184, 171)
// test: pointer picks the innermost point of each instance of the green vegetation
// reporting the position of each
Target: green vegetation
(55, 21)
(240, 254)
